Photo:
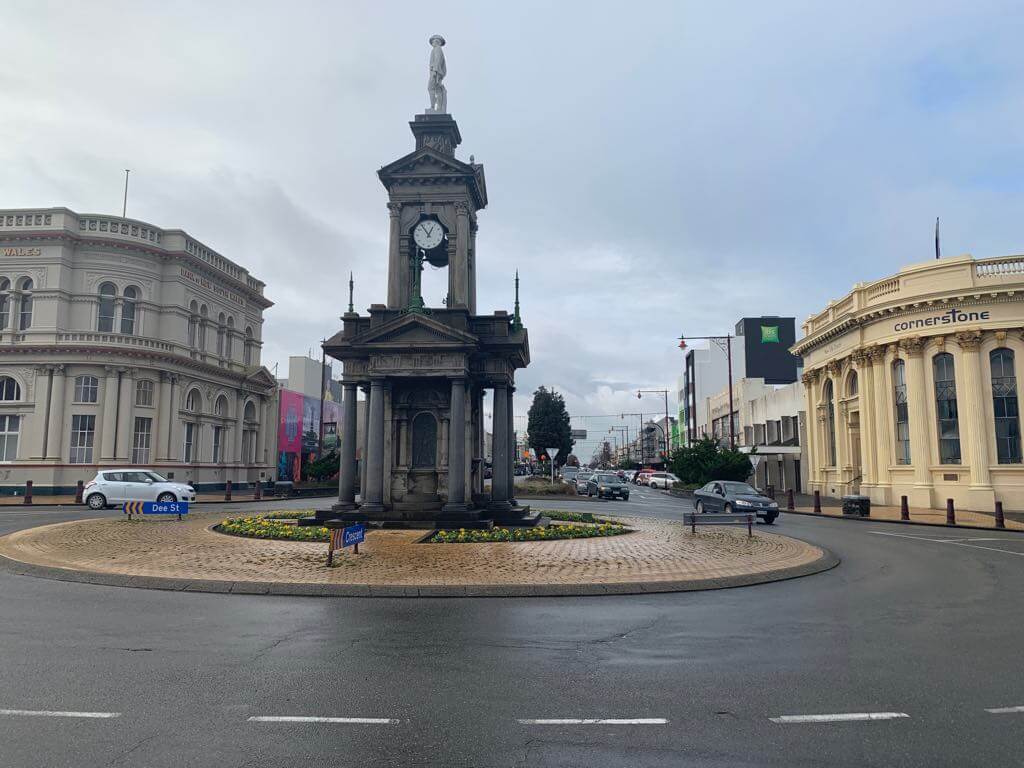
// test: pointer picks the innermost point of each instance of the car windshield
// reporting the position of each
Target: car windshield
(608, 478)
(741, 489)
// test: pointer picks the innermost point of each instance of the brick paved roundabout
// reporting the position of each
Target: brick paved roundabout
(658, 556)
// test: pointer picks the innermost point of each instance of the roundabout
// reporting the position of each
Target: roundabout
(621, 555)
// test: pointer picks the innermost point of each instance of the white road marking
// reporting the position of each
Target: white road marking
(846, 717)
(54, 713)
(597, 721)
(1005, 710)
(303, 719)
(955, 542)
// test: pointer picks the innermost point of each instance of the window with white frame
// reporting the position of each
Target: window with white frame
(9, 427)
(5, 303)
(25, 316)
(86, 389)
(141, 440)
(9, 389)
(131, 295)
(218, 432)
(191, 448)
(83, 432)
(105, 318)
(144, 392)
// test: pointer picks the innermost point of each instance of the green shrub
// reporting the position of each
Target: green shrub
(550, 533)
(703, 461)
(544, 488)
(260, 527)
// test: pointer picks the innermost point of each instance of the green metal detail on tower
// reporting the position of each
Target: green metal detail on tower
(517, 322)
(351, 288)
(416, 305)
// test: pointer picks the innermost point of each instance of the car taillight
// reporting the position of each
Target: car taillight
(90, 484)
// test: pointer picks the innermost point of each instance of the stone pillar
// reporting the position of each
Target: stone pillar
(173, 421)
(499, 451)
(261, 431)
(126, 415)
(457, 449)
(162, 418)
(55, 426)
(471, 264)
(511, 449)
(239, 428)
(866, 394)
(810, 379)
(840, 415)
(364, 452)
(973, 424)
(109, 417)
(347, 468)
(458, 283)
(373, 495)
(398, 271)
(920, 446)
(883, 412)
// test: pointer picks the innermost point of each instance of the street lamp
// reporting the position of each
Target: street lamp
(719, 340)
(641, 392)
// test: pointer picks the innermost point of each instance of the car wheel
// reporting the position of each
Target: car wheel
(770, 519)
(727, 509)
(700, 508)
(96, 501)
(626, 497)
(165, 498)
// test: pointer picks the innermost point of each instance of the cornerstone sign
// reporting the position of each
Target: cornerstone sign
(952, 317)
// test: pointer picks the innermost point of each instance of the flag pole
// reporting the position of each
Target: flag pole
(938, 253)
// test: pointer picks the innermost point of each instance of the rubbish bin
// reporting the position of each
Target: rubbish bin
(859, 506)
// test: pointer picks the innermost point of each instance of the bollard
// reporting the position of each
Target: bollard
(28, 492)
(904, 510)
(950, 513)
(258, 493)
(79, 491)
(750, 526)
(1000, 522)
(789, 500)
(227, 491)
(817, 502)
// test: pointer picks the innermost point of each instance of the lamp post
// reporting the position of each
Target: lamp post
(640, 393)
(727, 341)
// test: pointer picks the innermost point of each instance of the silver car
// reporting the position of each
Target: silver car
(581, 482)
(115, 486)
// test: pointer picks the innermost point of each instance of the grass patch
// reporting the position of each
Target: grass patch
(550, 533)
(260, 527)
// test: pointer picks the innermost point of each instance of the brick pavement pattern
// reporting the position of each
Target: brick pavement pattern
(656, 551)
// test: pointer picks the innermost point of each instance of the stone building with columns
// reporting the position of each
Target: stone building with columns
(911, 386)
(122, 343)
(424, 370)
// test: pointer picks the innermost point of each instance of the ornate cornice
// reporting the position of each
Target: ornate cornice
(968, 339)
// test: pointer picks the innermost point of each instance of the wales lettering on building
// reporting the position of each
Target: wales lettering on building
(951, 317)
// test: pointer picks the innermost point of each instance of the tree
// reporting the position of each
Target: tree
(704, 461)
(548, 425)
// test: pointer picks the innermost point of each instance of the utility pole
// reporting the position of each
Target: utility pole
(727, 339)
(323, 375)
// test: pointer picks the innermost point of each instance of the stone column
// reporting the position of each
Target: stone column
(109, 417)
(810, 379)
(261, 431)
(457, 449)
(883, 412)
(840, 415)
(866, 394)
(347, 468)
(511, 449)
(239, 428)
(398, 295)
(365, 447)
(55, 427)
(458, 283)
(373, 495)
(126, 415)
(499, 451)
(32, 442)
(973, 424)
(920, 446)
(471, 264)
(173, 421)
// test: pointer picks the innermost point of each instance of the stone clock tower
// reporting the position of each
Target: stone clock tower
(424, 370)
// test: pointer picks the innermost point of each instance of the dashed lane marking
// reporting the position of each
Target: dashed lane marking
(1006, 710)
(596, 721)
(55, 713)
(955, 542)
(845, 717)
(305, 719)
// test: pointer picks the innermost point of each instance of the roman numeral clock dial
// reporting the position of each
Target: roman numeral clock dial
(428, 235)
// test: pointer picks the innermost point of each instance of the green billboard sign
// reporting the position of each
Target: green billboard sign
(769, 334)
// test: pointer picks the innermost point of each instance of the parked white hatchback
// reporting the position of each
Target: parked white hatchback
(115, 486)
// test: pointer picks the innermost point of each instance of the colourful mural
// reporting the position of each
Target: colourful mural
(298, 435)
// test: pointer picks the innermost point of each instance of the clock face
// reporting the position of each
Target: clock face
(428, 235)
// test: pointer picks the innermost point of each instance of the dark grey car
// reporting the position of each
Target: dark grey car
(731, 496)
(607, 485)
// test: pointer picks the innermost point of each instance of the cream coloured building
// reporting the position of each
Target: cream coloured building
(125, 344)
(912, 384)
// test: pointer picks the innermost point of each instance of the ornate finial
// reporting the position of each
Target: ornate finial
(351, 287)
(517, 322)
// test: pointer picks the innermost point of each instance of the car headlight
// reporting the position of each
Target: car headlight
(601, 488)
(743, 503)
(773, 505)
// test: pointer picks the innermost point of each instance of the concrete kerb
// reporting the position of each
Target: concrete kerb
(869, 519)
(826, 562)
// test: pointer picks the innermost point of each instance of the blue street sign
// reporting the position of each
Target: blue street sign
(353, 534)
(165, 508)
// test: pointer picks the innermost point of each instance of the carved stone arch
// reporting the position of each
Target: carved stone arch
(424, 425)
(251, 410)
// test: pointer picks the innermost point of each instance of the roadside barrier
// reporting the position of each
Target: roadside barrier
(904, 509)
(28, 492)
(950, 513)
(790, 503)
(1000, 522)
(227, 491)
(259, 490)
(817, 502)
(79, 491)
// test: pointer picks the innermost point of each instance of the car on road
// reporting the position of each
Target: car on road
(607, 485)
(115, 486)
(662, 480)
(581, 481)
(569, 474)
(731, 496)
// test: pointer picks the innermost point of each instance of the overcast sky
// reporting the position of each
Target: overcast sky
(653, 168)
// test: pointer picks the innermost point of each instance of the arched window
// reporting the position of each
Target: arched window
(25, 318)
(227, 337)
(851, 384)
(105, 322)
(247, 351)
(9, 389)
(221, 408)
(144, 392)
(424, 441)
(830, 422)
(131, 294)
(249, 414)
(220, 335)
(899, 387)
(190, 448)
(945, 408)
(1004, 406)
(194, 402)
(202, 327)
(86, 389)
(193, 320)
(5, 303)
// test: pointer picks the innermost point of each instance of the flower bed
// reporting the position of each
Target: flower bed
(260, 527)
(550, 533)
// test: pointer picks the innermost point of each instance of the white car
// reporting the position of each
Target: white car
(662, 480)
(115, 486)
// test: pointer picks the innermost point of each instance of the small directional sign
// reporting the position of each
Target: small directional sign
(178, 508)
(354, 534)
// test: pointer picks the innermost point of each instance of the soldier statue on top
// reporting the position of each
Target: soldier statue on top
(436, 89)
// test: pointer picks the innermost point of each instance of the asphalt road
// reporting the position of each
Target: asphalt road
(921, 622)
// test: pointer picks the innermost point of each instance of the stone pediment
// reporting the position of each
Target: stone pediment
(414, 330)
(427, 166)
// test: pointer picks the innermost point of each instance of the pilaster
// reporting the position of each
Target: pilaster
(974, 425)
(55, 418)
(920, 446)
(108, 417)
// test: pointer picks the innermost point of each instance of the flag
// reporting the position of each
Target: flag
(938, 253)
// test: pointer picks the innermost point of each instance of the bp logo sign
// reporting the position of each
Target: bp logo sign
(769, 334)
